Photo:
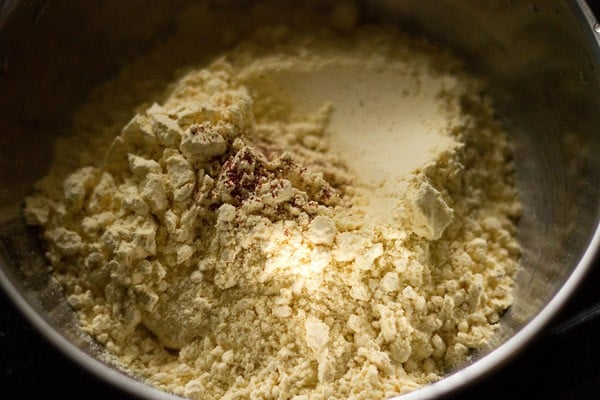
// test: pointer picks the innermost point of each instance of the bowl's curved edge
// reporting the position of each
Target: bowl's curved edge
(518, 342)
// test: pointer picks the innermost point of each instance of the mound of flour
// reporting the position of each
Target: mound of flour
(312, 217)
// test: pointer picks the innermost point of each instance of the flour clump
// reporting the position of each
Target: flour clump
(234, 239)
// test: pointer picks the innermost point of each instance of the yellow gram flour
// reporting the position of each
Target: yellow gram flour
(308, 217)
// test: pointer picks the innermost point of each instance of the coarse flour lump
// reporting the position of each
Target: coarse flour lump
(229, 242)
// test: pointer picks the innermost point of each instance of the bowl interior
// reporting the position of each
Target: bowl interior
(541, 63)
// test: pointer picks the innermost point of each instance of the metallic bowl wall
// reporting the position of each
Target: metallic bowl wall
(541, 62)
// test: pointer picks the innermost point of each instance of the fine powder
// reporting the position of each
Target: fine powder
(312, 218)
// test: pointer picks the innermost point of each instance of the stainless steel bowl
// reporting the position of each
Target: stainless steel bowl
(541, 60)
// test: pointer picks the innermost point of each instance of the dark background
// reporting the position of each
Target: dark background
(561, 363)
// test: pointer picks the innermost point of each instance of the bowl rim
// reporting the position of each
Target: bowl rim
(498, 357)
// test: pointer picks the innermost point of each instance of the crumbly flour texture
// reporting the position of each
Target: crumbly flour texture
(221, 245)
